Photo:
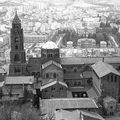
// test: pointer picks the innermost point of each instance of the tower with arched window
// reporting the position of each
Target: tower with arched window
(17, 54)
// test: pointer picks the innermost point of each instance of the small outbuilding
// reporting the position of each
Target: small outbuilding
(54, 89)
(109, 105)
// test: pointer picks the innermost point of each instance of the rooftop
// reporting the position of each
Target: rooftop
(50, 105)
(18, 80)
(16, 19)
(53, 83)
(87, 60)
(49, 63)
(50, 45)
(102, 69)
(75, 115)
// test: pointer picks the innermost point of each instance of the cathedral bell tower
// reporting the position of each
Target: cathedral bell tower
(17, 54)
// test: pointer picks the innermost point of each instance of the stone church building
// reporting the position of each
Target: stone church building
(66, 76)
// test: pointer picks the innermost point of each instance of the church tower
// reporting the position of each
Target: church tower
(17, 55)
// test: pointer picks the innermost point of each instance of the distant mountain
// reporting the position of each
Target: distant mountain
(103, 1)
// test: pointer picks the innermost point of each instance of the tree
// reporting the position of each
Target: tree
(102, 24)
(99, 37)
(114, 30)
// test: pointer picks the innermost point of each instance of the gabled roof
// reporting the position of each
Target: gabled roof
(18, 80)
(92, 115)
(102, 69)
(53, 83)
(49, 63)
(76, 115)
(109, 99)
(66, 115)
(50, 105)
(92, 93)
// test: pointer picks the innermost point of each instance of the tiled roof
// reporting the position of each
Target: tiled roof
(76, 115)
(78, 60)
(19, 80)
(102, 69)
(50, 45)
(92, 115)
(49, 63)
(88, 60)
(109, 99)
(50, 105)
(66, 115)
(92, 94)
(53, 83)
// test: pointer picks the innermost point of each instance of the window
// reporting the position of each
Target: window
(44, 55)
(52, 88)
(16, 47)
(79, 83)
(75, 84)
(54, 75)
(16, 70)
(89, 81)
(16, 57)
(76, 95)
(50, 55)
(115, 78)
(64, 70)
(16, 39)
(61, 88)
(47, 75)
(111, 78)
(111, 107)
(57, 55)
(75, 69)
(108, 78)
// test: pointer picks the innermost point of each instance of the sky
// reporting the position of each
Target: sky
(54, 1)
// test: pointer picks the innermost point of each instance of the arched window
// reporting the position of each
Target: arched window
(111, 78)
(75, 70)
(47, 75)
(64, 70)
(16, 39)
(43, 55)
(16, 70)
(75, 84)
(16, 47)
(51, 55)
(16, 57)
(54, 75)
(79, 83)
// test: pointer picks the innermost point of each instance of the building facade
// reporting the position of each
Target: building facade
(76, 72)
(17, 53)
